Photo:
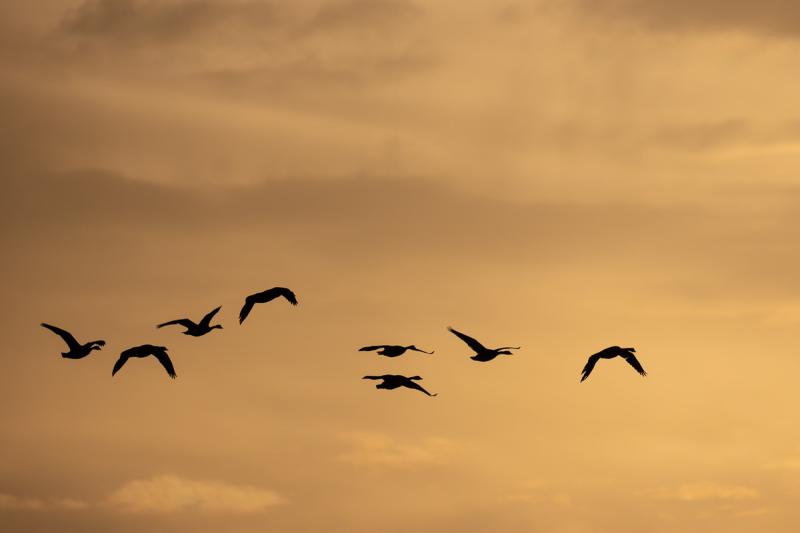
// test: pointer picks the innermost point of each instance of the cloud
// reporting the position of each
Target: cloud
(768, 17)
(703, 491)
(263, 45)
(788, 463)
(168, 21)
(171, 494)
(162, 494)
(539, 492)
(11, 502)
(368, 449)
(175, 20)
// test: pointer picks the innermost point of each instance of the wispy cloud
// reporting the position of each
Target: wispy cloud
(768, 17)
(162, 494)
(12, 502)
(379, 450)
(540, 492)
(170, 494)
(704, 491)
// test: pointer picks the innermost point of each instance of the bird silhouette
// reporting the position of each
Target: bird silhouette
(159, 352)
(393, 381)
(195, 330)
(482, 353)
(391, 350)
(610, 353)
(264, 297)
(76, 349)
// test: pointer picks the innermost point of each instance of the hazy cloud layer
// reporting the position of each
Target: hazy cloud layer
(560, 176)
(368, 449)
(170, 494)
(770, 17)
(9, 502)
(707, 491)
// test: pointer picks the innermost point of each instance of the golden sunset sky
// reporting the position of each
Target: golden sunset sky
(561, 175)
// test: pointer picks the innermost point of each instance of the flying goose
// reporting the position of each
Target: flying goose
(195, 330)
(610, 353)
(393, 381)
(264, 297)
(76, 349)
(391, 350)
(159, 352)
(482, 353)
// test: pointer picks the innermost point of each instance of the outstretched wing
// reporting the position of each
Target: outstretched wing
(589, 366)
(421, 351)
(374, 377)
(413, 385)
(371, 348)
(207, 319)
(165, 361)
(246, 308)
(185, 322)
(120, 362)
(66, 335)
(631, 359)
(286, 293)
(276, 292)
(472, 343)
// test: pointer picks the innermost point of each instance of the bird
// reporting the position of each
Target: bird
(159, 352)
(482, 353)
(393, 381)
(195, 330)
(264, 297)
(610, 353)
(390, 350)
(76, 349)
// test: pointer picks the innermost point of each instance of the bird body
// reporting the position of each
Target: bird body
(394, 381)
(76, 349)
(196, 330)
(482, 353)
(391, 350)
(610, 353)
(159, 352)
(264, 297)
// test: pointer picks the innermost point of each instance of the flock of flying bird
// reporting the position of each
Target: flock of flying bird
(388, 381)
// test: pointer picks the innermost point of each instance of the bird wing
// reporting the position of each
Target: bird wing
(371, 348)
(185, 322)
(589, 366)
(66, 335)
(413, 385)
(246, 308)
(631, 359)
(374, 377)
(472, 343)
(121, 361)
(423, 351)
(207, 319)
(275, 292)
(286, 293)
(165, 361)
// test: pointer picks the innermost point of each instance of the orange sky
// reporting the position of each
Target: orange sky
(555, 175)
